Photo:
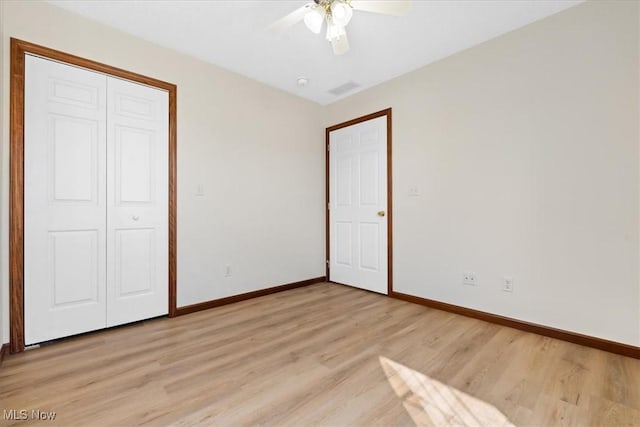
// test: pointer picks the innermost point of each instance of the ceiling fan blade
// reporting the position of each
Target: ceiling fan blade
(290, 20)
(341, 45)
(386, 7)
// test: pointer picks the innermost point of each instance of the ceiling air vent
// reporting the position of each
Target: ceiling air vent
(343, 88)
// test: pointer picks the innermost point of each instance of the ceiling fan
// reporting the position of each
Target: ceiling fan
(337, 14)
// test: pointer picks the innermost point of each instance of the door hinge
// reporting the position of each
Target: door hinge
(328, 206)
(328, 148)
(328, 264)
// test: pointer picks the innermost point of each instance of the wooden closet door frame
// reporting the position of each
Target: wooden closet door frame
(19, 49)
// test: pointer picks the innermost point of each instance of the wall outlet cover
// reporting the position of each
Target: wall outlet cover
(469, 278)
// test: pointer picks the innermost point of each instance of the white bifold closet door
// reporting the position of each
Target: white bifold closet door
(95, 199)
(137, 202)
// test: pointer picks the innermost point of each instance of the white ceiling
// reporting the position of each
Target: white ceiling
(232, 35)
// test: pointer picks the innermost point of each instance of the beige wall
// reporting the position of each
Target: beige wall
(526, 152)
(257, 151)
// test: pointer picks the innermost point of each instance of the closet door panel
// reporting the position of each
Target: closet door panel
(137, 193)
(64, 200)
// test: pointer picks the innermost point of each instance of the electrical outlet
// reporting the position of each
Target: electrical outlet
(469, 278)
(414, 191)
(507, 284)
(227, 271)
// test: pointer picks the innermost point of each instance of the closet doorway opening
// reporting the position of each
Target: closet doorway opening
(95, 147)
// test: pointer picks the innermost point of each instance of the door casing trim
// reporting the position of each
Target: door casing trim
(19, 49)
(382, 113)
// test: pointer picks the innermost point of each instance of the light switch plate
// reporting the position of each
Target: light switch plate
(414, 190)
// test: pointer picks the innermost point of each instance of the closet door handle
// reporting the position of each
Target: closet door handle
(135, 217)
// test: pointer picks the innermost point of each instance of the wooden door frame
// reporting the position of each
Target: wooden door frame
(381, 113)
(19, 49)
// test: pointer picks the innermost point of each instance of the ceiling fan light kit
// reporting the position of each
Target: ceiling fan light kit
(341, 13)
(334, 31)
(337, 14)
(314, 19)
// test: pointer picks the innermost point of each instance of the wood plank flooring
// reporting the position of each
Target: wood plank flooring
(321, 355)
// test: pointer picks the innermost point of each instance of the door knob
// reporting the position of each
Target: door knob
(381, 213)
(135, 217)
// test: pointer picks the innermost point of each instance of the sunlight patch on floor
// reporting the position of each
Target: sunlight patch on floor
(432, 403)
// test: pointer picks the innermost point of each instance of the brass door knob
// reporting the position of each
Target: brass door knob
(381, 213)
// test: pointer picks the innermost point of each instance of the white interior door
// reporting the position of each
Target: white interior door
(64, 200)
(358, 204)
(137, 202)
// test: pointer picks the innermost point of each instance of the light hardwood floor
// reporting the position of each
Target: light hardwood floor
(321, 355)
